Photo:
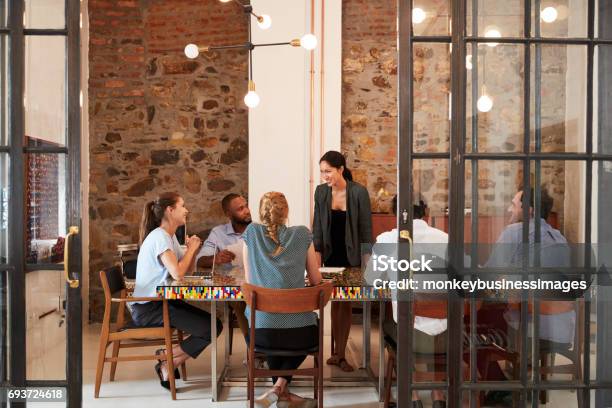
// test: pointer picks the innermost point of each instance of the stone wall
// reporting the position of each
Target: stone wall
(159, 121)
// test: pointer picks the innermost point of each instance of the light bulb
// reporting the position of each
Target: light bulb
(549, 14)
(192, 51)
(265, 23)
(468, 61)
(492, 33)
(485, 103)
(308, 41)
(251, 99)
(418, 15)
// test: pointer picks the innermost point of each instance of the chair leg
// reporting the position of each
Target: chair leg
(389, 380)
(100, 365)
(179, 335)
(116, 347)
(170, 363)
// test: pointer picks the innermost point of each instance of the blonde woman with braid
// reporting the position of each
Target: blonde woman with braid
(275, 256)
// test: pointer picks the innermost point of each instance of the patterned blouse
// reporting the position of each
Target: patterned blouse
(284, 271)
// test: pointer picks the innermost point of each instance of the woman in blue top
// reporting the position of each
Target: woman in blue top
(160, 257)
(275, 256)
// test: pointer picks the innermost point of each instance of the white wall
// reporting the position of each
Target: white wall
(280, 127)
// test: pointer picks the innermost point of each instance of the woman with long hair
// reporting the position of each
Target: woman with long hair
(342, 224)
(161, 257)
(275, 257)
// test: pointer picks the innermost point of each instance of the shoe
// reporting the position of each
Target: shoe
(439, 404)
(162, 382)
(177, 373)
(266, 399)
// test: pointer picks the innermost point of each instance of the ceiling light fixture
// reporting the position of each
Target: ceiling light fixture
(264, 21)
(549, 14)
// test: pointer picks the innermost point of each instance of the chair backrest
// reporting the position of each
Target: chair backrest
(287, 300)
(112, 280)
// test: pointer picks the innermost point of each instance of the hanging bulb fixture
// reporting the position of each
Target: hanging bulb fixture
(264, 21)
(549, 14)
(485, 103)
(418, 15)
(251, 99)
(492, 32)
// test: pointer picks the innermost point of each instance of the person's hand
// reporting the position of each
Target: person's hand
(193, 242)
(224, 257)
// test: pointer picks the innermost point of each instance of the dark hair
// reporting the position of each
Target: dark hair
(336, 160)
(153, 213)
(418, 211)
(546, 202)
(225, 202)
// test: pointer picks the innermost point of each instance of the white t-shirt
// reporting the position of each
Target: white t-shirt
(423, 234)
(150, 271)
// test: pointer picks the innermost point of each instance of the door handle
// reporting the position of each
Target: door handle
(74, 283)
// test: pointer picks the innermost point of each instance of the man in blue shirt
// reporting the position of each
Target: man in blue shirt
(225, 235)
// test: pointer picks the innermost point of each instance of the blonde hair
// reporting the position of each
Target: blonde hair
(273, 211)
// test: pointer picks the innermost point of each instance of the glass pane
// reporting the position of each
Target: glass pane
(560, 19)
(602, 95)
(45, 325)
(486, 18)
(4, 88)
(45, 192)
(4, 206)
(45, 14)
(558, 102)
(601, 306)
(4, 326)
(495, 98)
(431, 97)
(45, 91)
(431, 17)
(603, 23)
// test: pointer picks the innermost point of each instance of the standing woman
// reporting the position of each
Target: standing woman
(160, 256)
(342, 223)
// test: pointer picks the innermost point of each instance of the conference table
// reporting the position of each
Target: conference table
(224, 286)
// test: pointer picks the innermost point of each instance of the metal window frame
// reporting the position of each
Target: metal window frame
(457, 153)
(17, 151)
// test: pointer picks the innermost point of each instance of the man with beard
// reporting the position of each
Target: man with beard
(222, 236)
(215, 248)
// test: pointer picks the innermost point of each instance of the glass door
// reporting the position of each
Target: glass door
(40, 251)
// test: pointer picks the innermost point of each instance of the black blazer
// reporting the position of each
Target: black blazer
(358, 221)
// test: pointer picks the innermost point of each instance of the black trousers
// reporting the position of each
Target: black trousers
(297, 338)
(184, 317)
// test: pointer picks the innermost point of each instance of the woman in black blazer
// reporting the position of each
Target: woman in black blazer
(342, 223)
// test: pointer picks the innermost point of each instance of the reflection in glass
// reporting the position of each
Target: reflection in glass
(46, 207)
(495, 95)
(486, 18)
(45, 91)
(558, 102)
(431, 97)
(4, 88)
(45, 14)
(602, 99)
(45, 325)
(431, 17)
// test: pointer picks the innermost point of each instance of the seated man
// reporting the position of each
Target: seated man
(223, 236)
(226, 236)
(557, 318)
(430, 335)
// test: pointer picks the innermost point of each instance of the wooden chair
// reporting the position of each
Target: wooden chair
(286, 301)
(124, 336)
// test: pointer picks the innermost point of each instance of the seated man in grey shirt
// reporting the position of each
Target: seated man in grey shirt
(224, 235)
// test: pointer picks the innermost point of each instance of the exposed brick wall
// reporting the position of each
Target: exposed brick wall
(159, 121)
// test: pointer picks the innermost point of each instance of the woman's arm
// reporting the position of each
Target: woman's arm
(313, 263)
(178, 269)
